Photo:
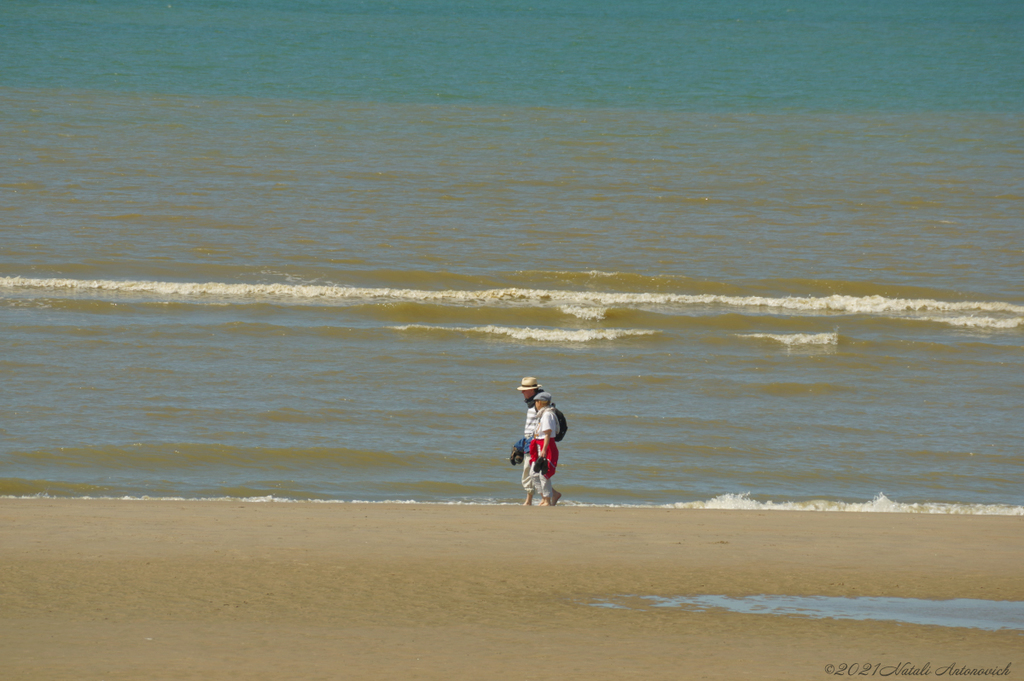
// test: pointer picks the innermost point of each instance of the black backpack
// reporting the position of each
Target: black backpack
(562, 425)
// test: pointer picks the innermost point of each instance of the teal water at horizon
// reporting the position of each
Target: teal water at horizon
(761, 56)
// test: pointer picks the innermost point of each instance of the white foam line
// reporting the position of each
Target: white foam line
(797, 338)
(527, 333)
(731, 502)
(979, 322)
(585, 312)
(827, 304)
(880, 504)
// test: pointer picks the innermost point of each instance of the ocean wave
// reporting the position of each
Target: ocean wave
(880, 504)
(835, 304)
(791, 339)
(589, 313)
(527, 333)
(979, 322)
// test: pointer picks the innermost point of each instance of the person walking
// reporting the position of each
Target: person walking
(544, 449)
(529, 387)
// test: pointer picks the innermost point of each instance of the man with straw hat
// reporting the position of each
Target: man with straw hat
(530, 388)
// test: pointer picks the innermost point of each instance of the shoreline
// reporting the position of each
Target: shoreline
(724, 502)
(228, 589)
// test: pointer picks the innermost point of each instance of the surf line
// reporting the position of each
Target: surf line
(828, 304)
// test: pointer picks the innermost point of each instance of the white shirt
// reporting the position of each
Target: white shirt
(546, 421)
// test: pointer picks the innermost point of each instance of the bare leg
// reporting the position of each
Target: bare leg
(555, 496)
(546, 502)
(529, 500)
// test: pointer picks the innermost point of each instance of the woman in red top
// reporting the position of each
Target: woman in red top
(544, 450)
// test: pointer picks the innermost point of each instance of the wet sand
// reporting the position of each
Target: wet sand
(96, 589)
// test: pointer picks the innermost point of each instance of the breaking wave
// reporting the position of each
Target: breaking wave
(532, 334)
(589, 313)
(835, 304)
(979, 322)
(880, 504)
(791, 339)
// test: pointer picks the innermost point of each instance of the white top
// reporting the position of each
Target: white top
(546, 421)
(531, 422)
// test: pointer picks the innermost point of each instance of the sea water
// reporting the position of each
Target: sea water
(969, 613)
(763, 255)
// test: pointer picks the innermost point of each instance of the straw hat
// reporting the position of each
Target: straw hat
(529, 383)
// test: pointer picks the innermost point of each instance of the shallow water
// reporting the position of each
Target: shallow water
(959, 612)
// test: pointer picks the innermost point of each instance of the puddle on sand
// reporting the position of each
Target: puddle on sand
(959, 612)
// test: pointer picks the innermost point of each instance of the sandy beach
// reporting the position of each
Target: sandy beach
(96, 589)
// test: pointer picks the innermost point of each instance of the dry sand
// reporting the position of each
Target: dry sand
(93, 589)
